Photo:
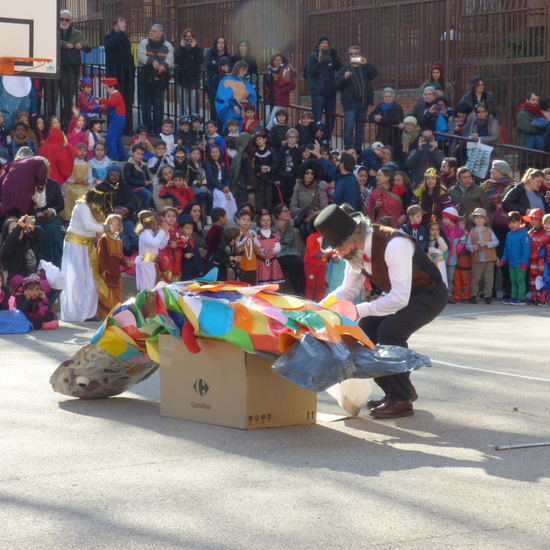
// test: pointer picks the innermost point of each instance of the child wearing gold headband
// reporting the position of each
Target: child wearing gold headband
(151, 240)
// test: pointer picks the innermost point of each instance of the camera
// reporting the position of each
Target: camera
(31, 220)
(326, 58)
(356, 59)
(438, 107)
(188, 40)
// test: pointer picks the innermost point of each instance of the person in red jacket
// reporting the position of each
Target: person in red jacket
(117, 120)
(315, 263)
(179, 192)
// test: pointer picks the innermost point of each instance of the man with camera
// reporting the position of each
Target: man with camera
(321, 68)
(354, 80)
(425, 156)
(188, 59)
(119, 64)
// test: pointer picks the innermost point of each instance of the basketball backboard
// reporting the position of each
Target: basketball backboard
(29, 29)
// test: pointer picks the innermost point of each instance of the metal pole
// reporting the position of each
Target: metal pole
(523, 446)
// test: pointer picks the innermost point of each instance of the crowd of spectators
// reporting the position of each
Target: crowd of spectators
(190, 194)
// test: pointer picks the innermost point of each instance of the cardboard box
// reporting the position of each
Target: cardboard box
(226, 386)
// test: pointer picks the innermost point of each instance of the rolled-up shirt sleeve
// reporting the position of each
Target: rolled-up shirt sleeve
(398, 258)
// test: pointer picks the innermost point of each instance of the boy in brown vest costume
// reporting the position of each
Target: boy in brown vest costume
(415, 292)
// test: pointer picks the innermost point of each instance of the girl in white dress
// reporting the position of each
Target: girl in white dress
(151, 240)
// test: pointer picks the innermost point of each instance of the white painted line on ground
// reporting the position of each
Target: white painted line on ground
(491, 371)
(523, 309)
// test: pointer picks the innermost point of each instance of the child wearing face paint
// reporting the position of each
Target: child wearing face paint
(269, 270)
(110, 258)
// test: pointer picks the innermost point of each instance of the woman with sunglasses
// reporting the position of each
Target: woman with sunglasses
(309, 196)
(485, 127)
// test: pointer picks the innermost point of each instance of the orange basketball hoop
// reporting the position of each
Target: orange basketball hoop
(7, 64)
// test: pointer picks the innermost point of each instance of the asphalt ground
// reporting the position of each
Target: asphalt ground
(114, 474)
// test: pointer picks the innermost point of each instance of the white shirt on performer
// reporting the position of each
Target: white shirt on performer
(83, 222)
(398, 257)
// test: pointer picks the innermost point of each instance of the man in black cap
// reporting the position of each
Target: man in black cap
(321, 68)
(414, 291)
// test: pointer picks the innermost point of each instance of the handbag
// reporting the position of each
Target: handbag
(500, 218)
(300, 217)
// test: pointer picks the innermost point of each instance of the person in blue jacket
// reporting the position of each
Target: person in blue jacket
(347, 187)
(517, 249)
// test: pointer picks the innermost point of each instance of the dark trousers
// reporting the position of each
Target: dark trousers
(395, 330)
(292, 266)
(67, 85)
(151, 95)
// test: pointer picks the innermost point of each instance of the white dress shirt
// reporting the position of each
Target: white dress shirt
(398, 257)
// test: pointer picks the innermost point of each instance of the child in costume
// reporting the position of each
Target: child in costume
(545, 255)
(185, 136)
(482, 243)
(536, 264)
(170, 257)
(191, 263)
(86, 102)
(457, 243)
(249, 245)
(265, 165)
(117, 119)
(462, 278)
(517, 249)
(110, 258)
(212, 136)
(437, 248)
(151, 240)
(76, 132)
(34, 304)
(315, 263)
(93, 128)
(81, 180)
(250, 119)
(167, 135)
(269, 270)
(225, 254)
(179, 192)
(414, 226)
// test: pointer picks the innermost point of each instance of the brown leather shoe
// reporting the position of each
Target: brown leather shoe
(373, 403)
(393, 409)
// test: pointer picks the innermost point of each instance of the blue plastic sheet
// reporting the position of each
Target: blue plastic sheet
(314, 365)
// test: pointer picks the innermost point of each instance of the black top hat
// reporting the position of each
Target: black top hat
(336, 226)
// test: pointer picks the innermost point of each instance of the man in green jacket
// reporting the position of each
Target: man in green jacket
(467, 197)
(72, 42)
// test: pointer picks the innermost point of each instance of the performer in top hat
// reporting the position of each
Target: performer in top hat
(414, 291)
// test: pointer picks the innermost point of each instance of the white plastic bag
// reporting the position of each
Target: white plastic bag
(53, 275)
(352, 394)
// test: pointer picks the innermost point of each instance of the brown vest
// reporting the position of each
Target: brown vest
(425, 273)
(490, 253)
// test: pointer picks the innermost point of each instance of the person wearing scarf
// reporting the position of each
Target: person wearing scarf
(60, 154)
(437, 81)
(485, 127)
(155, 58)
(280, 81)
(528, 112)
(388, 114)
